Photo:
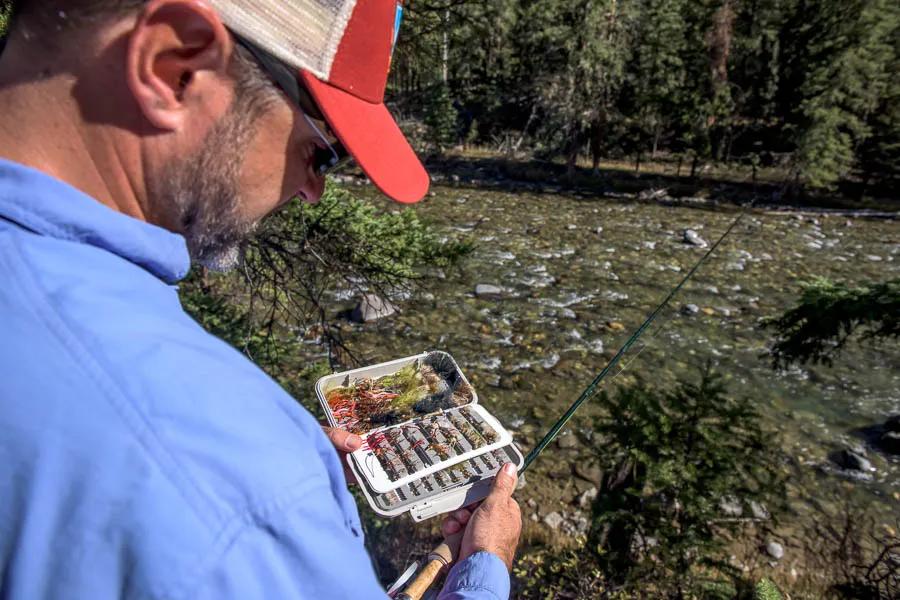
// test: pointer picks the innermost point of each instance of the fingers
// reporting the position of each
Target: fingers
(462, 515)
(450, 526)
(505, 482)
(343, 441)
(456, 521)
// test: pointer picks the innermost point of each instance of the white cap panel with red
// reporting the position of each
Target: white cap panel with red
(342, 52)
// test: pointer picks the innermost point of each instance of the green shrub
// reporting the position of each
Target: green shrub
(766, 590)
(285, 291)
(828, 314)
(673, 458)
(670, 459)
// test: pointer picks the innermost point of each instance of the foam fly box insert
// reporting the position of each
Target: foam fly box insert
(428, 447)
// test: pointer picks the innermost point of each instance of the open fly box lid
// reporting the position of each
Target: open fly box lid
(429, 448)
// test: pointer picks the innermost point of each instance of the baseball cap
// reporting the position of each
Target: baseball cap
(342, 52)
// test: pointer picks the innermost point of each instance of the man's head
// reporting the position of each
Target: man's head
(181, 115)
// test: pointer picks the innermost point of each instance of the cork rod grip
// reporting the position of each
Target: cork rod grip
(444, 555)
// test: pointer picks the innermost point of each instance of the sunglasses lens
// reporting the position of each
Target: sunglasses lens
(328, 159)
(324, 160)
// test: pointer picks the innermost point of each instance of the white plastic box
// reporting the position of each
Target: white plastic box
(436, 488)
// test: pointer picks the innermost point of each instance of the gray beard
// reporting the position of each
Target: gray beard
(204, 192)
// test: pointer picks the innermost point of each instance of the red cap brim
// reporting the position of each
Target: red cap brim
(372, 137)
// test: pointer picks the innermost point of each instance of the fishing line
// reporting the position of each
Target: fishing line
(594, 385)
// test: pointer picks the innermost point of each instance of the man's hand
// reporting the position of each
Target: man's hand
(494, 526)
(344, 442)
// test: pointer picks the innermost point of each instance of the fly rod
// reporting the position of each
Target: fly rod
(595, 384)
(446, 553)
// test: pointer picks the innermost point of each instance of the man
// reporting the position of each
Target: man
(139, 456)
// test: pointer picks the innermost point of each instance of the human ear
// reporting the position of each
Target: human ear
(178, 52)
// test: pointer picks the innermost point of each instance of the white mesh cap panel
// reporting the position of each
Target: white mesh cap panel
(302, 33)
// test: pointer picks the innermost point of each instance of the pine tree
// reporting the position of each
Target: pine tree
(578, 59)
(671, 458)
(846, 75)
(440, 117)
(658, 74)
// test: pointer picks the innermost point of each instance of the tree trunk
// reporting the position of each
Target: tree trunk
(572, 158)
(531, 117)
(570, 165)
(445, 47)
(596, 143)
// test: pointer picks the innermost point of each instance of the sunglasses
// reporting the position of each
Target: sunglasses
(325, 159)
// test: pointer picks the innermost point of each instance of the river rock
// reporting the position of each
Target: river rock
(550, 361)
(893, 423)
(488, 291)
(693, 238)
(553, 520)
(567, 440)
(730, 506)
(890, 442)
(690, 309)
(651, 194)
(589, 472)
(853, 461)
(775, 550)
(587, 497)
(577, 524)
(372, 308)
(759, 511)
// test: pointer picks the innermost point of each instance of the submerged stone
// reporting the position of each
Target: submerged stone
(690, 309)
(372, 308)
(693, 238)
(488, 291)
(853, 461)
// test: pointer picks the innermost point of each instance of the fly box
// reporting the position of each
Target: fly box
(428, 446)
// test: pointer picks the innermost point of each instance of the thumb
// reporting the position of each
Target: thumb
(343, 440)
(505, 481)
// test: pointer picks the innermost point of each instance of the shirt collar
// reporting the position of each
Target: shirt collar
(49, 207)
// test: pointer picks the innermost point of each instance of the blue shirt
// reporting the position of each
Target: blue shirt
(141, 457)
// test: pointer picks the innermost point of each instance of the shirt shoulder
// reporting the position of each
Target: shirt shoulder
(165, 434)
